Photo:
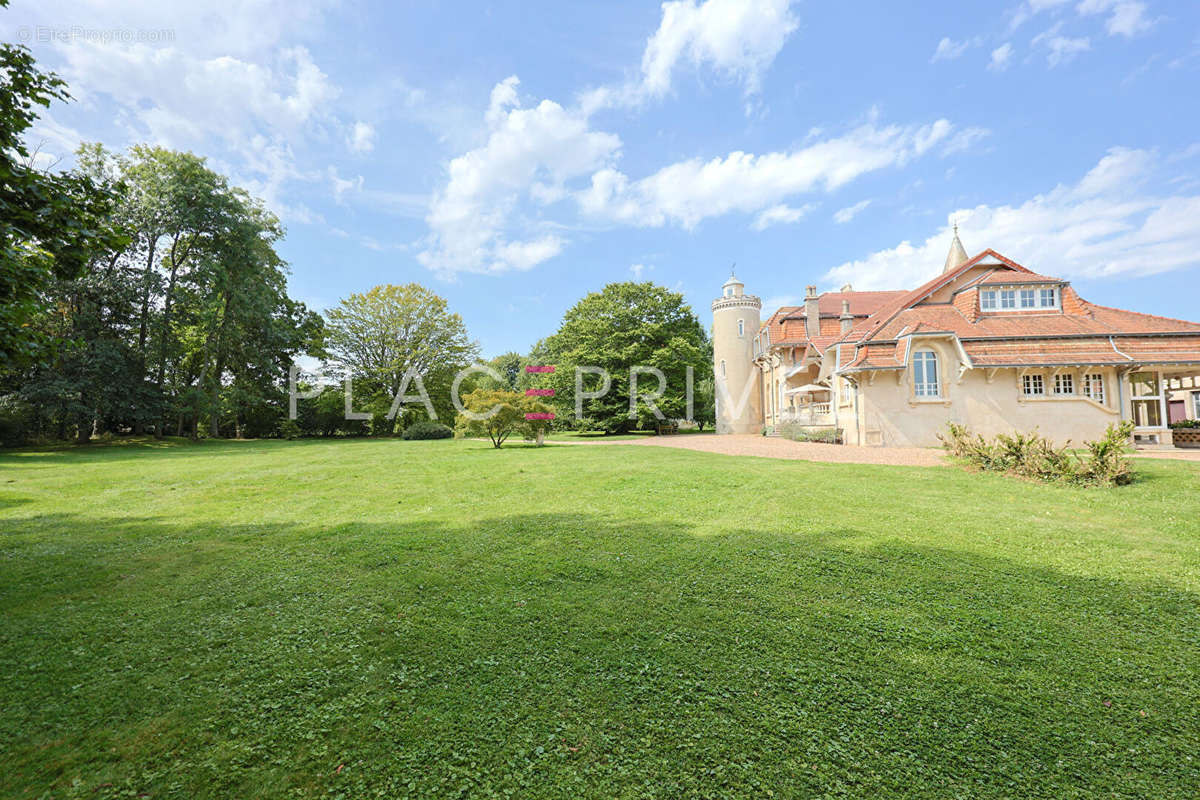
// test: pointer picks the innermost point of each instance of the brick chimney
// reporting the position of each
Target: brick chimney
(812, 313)
(847, 318)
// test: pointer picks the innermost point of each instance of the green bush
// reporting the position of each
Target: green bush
(14, 428)
(807, 433)
(1104, 462)
(290, 429)
(1185, 423)
(427, 430)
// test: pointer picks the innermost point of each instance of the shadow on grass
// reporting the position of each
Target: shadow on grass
(574, 655)
(120, 450)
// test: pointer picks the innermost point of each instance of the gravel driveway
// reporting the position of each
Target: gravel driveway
(770, 447)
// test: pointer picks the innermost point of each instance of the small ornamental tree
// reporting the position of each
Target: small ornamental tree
(503, 414)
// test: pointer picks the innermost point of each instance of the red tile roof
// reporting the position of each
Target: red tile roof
(1008, 276)
(1081, 333)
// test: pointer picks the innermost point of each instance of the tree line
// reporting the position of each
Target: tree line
(142, 293)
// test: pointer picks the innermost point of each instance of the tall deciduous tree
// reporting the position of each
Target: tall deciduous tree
(50, 225)
(623, 326)
(381, 335)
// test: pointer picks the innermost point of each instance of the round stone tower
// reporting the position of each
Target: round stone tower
(735, 323)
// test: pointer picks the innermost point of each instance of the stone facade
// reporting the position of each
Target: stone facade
(988, 344)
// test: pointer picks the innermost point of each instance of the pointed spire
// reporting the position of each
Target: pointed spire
(957, 254)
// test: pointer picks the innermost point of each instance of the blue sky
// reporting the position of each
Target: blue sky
(513, 156)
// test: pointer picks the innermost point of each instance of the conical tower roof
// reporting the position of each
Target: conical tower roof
(957, 254)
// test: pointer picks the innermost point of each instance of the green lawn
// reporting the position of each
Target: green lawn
(440, 619)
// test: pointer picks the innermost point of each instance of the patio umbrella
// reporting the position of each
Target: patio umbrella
(807, 388)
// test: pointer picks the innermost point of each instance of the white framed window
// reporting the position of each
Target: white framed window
(1064, 383)
(1195, 405)
(1033, 385)
(1093, 387)
(926, 378)
(741, 327)
(1023, 298)
(729, 292)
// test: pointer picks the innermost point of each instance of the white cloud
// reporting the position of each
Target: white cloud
(243, 29)
(180, 100)
(343, 185)
(736, 39)
(638, 269)
(688, 192)
(362, 137)
(781, 214)
(170, 79)
(1001, 57)
(948, 49)
(51, 139)
(1126, 17)
(529, 155)
(1105, 224)
(1060, 49)
(850, 212)
(524, 255)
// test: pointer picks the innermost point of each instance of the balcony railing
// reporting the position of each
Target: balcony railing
(808, 414)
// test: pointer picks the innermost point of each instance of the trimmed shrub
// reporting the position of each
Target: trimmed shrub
(427, 430)
(808, 433)
(1104, 462)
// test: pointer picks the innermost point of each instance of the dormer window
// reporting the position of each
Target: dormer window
(1018, 298)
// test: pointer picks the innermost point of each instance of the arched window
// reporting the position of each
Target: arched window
(741, 327)
(926, 377)
(722, 368)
